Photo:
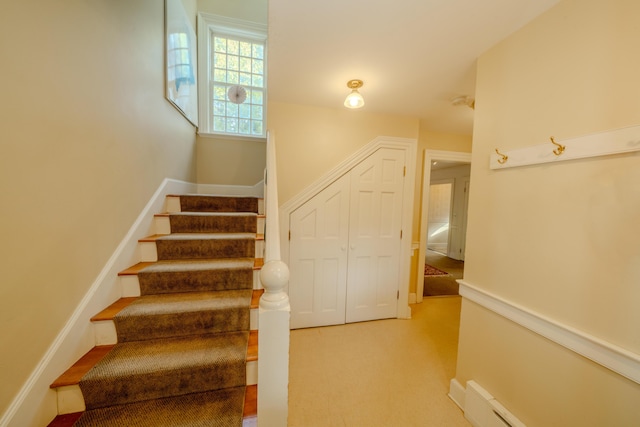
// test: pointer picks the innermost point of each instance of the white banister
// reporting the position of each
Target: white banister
(274, 313)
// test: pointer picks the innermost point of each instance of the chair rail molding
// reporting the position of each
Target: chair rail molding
(611, 356)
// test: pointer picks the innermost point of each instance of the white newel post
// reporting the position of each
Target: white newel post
(274, 314)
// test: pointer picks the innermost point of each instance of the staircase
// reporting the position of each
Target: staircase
(181, 346)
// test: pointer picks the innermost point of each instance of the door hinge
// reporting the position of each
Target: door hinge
(398, 295)
(401, 234)
(289, 234)
(404, 171)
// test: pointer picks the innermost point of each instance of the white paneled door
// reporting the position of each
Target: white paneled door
(374, 236)
(345, 246)
(318, 266)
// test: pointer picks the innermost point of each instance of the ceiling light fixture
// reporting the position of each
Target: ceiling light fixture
(463, 100)
(354, 99)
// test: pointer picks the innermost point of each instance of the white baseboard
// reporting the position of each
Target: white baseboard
(35, 403)
(480, 408)
(457, 393)
(256, 190)
(611, 356)
(412, 298)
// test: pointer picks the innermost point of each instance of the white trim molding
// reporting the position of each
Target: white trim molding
(428, 157)
(611, 356)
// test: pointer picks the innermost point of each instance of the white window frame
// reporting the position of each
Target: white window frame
(209, 24)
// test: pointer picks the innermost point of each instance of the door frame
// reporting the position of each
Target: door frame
(428, 157)
(410, 147)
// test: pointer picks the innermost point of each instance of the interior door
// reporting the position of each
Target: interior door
(374, 236)
(318, 260)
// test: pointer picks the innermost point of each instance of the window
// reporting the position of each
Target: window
(235, 97)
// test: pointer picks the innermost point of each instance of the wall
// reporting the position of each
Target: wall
(310, 141)
(228, 160)
(87, 138)
(559, 240)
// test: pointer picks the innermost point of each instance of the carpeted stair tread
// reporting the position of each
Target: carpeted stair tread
(203, 203)
(78, 370)
(196, 275)
(191, 313)
(249, 413)
(205, 245)
(218, 408)
(213, 222)
(153, 369)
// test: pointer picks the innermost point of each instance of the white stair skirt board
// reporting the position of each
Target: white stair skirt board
(70, 398)
(75, 338)
(617, 359)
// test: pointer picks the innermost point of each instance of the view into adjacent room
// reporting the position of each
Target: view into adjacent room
(446, 229)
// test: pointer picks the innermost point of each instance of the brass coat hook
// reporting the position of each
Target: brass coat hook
(560, 148)
(503, 157)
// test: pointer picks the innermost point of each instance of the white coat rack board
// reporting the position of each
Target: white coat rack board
(617, 141)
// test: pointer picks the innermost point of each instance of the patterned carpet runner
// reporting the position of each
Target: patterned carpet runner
(181, 352)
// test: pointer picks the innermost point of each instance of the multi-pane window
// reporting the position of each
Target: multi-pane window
(238, 85)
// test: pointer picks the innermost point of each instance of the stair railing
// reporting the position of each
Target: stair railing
(274, 312)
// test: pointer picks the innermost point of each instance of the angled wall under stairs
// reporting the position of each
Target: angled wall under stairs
(181, 344)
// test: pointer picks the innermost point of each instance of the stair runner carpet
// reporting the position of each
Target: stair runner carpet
(180, 359)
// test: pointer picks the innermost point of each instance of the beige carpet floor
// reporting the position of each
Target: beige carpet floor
(383, 373)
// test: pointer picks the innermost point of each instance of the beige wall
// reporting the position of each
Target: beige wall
(248, 10)
(87, 138)
(560, 240)
(229, 161)
(310, 141)
(232, 161)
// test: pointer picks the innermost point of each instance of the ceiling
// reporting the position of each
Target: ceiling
(414, 56)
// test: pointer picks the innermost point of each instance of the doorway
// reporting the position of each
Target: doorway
(458, 224)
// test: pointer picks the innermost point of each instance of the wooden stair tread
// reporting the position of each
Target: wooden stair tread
(110, 312)
(151, 238)
(255, 297)
(74, 374)
(251, 402)
(135, 269)
(250, 409)
(252, 350)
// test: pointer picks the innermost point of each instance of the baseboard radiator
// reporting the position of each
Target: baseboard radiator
(481, 409)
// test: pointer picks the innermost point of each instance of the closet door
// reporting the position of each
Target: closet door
(374, 236)
(318, 258)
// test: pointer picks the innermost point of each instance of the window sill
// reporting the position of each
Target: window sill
(224, 137)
